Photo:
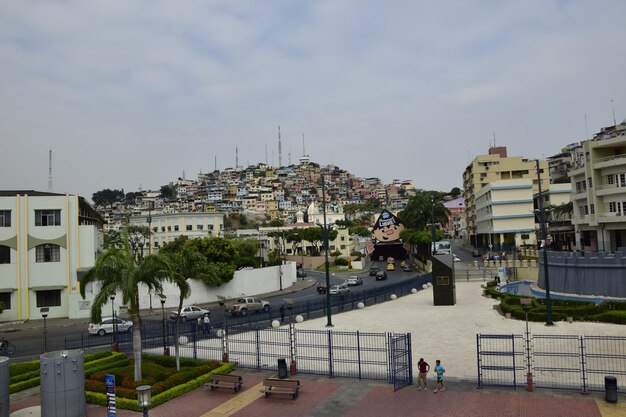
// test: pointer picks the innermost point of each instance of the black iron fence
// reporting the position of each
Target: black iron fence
(555, 361)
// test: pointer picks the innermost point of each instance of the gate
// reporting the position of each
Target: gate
(500, 360)
(400, 366)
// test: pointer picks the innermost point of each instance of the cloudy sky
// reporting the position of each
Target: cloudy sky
(130, 94)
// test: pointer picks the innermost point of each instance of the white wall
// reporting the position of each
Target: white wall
(248, 282)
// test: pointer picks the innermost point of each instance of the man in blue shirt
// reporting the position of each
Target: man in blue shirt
(439, 369)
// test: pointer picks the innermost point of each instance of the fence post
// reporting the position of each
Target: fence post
(513, 353)
(410, 355)
(330, 354)
(478, 360)
(358, 349)
(258, 347)
(195, 339)
(583, 363)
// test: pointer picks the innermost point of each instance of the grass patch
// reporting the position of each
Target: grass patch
(607, 312)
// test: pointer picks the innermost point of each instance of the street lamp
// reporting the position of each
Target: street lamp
(329, 322)
(526, 302)
(44, 314)
(166, 350)
(143, 398)
(114, 345)
(544, 236)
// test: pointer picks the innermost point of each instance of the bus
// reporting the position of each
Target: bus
(442, 248)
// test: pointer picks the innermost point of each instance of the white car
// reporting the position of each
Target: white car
(456, 258)
(189, 313)
(352, 281)
(106, 326)
(341, 289)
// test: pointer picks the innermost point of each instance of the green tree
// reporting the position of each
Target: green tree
(113, 239)
(167, 191)
(360, 231)
(107, 197)
(418, 212)
(455, 192)
(121, 272)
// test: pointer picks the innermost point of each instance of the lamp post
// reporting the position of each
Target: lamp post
(114, 345)
(432, 226)
(166, 350)
(544, 236)
(529, 376)
(329, 322)
(44, 314)
(143, 398)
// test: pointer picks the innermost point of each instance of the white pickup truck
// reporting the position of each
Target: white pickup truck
(243, 306)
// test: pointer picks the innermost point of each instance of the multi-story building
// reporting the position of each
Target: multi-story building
(456, 208)
(599, 191)
(47, 241)
(555, 201)
(496, 166)
(167, 227)
(505, 216)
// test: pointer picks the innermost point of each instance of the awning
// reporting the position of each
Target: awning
(48, 287)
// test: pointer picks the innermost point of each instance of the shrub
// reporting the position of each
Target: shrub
(342, 262)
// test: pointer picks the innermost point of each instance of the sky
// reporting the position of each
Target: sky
(131, 94)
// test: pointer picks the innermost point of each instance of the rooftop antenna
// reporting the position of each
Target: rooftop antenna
(50, 171)
(215, 163)
(613, 107)
(183, 174)
(586, 128)
(236, 157)
(266, 154)
(280, 150)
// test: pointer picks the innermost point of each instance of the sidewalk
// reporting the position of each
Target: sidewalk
(323, 397)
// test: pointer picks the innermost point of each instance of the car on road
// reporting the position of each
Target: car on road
(373, 270)
(407, 268)
(246, 305)
(381, 275)
(321, 288)
(455, 258)
(189, 313)
(106, 326)
(403, 264)
(352, 281)
(341, 289)
(300, 273)
(391, 267)
(476, 253)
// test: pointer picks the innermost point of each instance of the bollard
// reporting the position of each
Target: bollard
(282, 368)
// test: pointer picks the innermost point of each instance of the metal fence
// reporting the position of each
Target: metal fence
(556, 361)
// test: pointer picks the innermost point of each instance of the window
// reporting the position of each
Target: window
(5, 255)
(155, 229)
(592, 208)
(5, 298)
(49, 298)
(176, 228)
(163, 228)
(169, 228)
(188, 227)
(5, 218)
(199, 227)
(47, 217)
(48, 253)
(610, 179)
(590, 182)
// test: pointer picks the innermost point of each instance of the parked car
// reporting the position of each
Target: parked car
(341, 289)
(300, 273)
(407, 268)
(243, 306)
(391, 267)
(381, 275)
(476, 253)
(189, 313)
(321, 288)
(373, 270)
(352, 281)
(403, 264)
(106, 326)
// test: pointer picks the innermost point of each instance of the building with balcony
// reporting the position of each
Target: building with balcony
(556, 203)
(599, 191)
(47, 241)
(496, 166)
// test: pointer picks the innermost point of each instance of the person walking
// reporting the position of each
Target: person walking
(439, 369)
(207, 324)
(282, 314)
(423, 367)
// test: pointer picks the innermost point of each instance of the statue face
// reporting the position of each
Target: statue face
(387, 227)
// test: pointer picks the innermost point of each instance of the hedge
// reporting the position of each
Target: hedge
(608, 312)
(158, 399)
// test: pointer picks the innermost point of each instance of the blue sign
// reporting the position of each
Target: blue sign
(109, 380)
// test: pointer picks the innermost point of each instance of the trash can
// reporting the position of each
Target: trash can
(282, 368)
(610, 389)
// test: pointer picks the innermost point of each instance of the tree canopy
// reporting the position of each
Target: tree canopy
(107, 197)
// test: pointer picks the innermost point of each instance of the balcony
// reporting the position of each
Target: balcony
(611, 217)
(610, 161)
(610, 189)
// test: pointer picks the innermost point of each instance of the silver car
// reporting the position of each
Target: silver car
(352, 281)
(189, 313)
(341, 289)
(106, 326)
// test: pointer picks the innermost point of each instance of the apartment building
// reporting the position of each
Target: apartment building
(561, 236)
(505, 215)
(599, 191)
(486, 169)
(47, 241)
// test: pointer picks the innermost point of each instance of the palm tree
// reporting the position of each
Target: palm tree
(120, 272)
(186, 263)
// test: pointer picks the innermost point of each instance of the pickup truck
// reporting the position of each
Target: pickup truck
(243, 306)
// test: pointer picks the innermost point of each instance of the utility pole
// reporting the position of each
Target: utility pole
(544, 236)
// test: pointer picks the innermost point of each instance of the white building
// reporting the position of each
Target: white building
(167, 227)
(47, 241)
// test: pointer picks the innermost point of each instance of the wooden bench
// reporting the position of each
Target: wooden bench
(226, 381)
(281, 386)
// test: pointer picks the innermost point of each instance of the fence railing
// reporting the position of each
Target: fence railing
(556, 361)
